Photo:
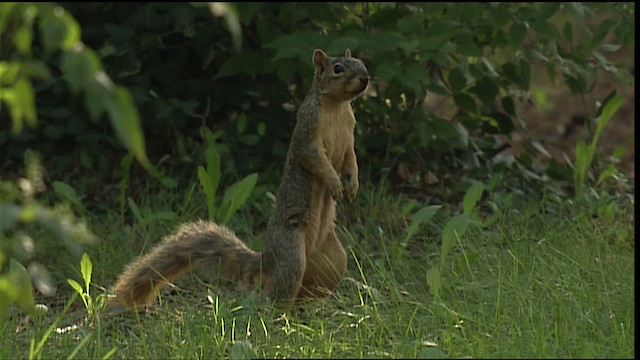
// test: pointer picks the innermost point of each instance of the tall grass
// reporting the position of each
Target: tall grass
(529, 285)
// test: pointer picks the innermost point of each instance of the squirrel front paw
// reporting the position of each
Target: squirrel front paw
(353, 188)
(336, 189)
(350, 182)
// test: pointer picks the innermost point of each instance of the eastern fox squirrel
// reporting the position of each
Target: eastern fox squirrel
(302, 256)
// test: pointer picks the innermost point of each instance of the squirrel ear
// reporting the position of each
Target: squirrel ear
(347, 53)
(319, 57)
(320, 60)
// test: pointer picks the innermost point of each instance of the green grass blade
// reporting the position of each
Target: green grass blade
(453, 230)
(472, 196)
(421, 217)
(238, 194)
(209, 191)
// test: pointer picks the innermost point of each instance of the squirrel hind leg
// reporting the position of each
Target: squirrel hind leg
(284, 268)
(325, 268)
(283, 284)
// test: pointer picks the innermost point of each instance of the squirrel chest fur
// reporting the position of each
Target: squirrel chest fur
(335, 132)
(303, 255)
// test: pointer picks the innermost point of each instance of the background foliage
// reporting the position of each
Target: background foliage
(192, 85)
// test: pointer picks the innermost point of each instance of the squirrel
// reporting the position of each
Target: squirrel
(303, 256)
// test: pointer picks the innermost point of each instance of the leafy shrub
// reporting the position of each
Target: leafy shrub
(185, 72)
(20, 212)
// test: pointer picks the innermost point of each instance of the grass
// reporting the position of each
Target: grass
(531, 284)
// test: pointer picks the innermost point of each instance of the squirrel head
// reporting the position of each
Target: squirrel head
(341, 78)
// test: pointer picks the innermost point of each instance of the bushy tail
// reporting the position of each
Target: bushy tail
(192, 244)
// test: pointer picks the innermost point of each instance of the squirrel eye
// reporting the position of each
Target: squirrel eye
(337, 69)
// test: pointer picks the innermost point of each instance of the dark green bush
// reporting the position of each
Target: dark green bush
(185, 74)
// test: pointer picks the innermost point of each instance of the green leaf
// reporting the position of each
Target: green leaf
(23, 35)
(517, 33)
(568, 32)
(297, 44)
(438, 33)
(95, 99)
(408, 46)
(453, 230)
(236, 195)
(581, 165)
(213, 166)
(121, 34)
(544, 30)
(500, 123)
(380, 41)
(422, 216)
(67, 193)
(432, 353)
(387, 71)
(584, 153)
(547, 10)
(501, 15)
(9, 216)
(610, 48)
(341, 43)
(465, 102)
(472, 196)
(562, 172)
(486, 90)
(576, 84)
(59, 30)
(434, 281)
(53, 131)
(471, 12)
(8, 294)
(445, 131)
(609, 107)
(413, 77)
(242, 349)
(609, 172)
(126, 123)
(209, 191)
(601, 32)
(469, 49)
(77, 287)
(246, 10)
(86, 268)
(166, 181)
(22, 283)
(457, 80)
(80, 69)
(518, 74)
(21, 101)
(9, 72)
(247, 62)
(135, 210)
(551, 73)
(286, 71)
(579, 10)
